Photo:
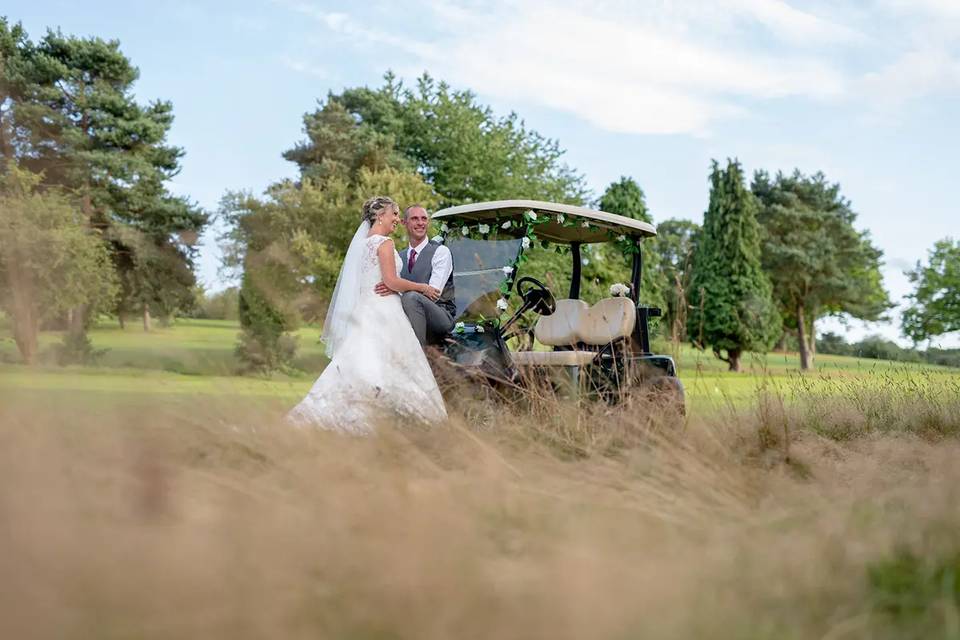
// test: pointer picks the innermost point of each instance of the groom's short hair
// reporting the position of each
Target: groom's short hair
(415, 206)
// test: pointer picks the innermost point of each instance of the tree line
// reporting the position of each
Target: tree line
(88, 224)
(771, 257)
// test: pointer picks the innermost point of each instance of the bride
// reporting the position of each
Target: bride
(377, 366)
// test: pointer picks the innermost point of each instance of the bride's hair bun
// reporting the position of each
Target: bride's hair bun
(375, 206)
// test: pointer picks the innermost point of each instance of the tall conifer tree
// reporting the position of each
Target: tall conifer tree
(731, 296)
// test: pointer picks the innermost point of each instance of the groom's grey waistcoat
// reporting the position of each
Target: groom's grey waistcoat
(423, 269)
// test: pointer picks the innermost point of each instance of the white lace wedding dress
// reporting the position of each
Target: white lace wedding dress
(378, 370)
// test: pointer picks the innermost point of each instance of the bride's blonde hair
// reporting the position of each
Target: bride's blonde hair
(375, 206)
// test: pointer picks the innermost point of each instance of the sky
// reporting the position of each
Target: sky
(866, 91)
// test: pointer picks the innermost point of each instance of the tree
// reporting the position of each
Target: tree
(289, 246)
(49, 259)
(936, 296)
(464, 151)
(731, 296)
(675, 242)
(625, 197)
(67, 110)
(15, 78)
(432, 146)
(817, 261)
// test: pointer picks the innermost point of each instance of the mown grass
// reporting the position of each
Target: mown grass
(189, 347)
(196, 357)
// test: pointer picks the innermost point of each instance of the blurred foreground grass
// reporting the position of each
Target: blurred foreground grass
(815, 508)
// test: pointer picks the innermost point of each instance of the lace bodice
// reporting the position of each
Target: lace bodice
(370, 265)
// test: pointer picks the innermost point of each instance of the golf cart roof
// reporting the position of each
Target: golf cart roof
(599, 224)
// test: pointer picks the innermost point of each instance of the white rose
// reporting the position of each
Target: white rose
(525, 243)
(479, 328)
(621, 238)
(459, 327)
(530, 214)
(465, 230)
(507, 270)
(505, 225)
(484, 228)
(502, 304)
(560, 218)
(585, 224)
(438, 239)
(444, 227)
(619, 289)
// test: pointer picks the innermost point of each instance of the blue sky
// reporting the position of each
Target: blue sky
(867, 92)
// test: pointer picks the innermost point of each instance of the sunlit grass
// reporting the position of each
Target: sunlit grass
(196, 357)
(817, 507)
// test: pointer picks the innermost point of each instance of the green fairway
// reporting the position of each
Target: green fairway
(191, 347)
(195, 358)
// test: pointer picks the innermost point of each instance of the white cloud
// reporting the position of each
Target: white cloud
(303, 66)
(913, 75)
(622, 75)
(332, 19)
(654, 67)
(941, 9)
(793, 24)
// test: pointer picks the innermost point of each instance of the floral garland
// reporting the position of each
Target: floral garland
(530, 220)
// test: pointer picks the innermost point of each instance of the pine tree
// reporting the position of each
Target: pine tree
(817, 261)
(731, 296)
(67, 111)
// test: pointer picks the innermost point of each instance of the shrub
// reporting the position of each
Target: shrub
(76, 348)
(265, 344)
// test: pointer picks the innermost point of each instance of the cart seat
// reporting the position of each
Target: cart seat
(575, 325)
(552, 358)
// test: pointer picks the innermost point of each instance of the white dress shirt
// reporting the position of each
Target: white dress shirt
(440, 267)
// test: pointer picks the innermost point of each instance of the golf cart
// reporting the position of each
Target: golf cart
(604, 347)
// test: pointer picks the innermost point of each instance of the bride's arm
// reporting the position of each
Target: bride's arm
(388, 272)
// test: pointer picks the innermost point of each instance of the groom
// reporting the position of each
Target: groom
(431, 263)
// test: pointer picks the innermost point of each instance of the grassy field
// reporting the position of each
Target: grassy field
(158, 496)
(196, 357)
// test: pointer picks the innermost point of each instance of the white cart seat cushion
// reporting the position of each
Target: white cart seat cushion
(560, 328)
(608, 320)
(575, 321)
(552, 358)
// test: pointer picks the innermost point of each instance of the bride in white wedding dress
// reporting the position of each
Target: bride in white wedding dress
(377, 366)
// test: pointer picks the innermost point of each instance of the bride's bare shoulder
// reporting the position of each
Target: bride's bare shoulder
(378, 241)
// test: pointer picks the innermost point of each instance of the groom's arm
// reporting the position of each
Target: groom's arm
(441, 266)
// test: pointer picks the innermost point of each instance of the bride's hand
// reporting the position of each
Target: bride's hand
(383, 289)
(430, 292)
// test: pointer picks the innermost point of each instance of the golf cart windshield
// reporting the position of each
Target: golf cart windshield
(478, 272)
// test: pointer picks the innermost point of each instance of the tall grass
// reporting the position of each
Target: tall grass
(801, 515)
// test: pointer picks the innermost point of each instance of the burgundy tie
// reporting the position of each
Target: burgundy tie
(411, 259)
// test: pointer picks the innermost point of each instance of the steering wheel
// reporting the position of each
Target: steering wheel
(536, 296)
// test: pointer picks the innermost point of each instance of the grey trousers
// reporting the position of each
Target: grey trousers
(427, 318)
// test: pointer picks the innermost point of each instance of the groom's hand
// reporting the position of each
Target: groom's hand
(383, 289)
